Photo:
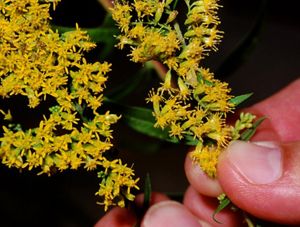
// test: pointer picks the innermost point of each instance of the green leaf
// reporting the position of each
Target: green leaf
(239, 99)
(147, 192)
(243, 49)
(246, 135)
(175, 4)
(223, 204)
(141, 120)
(98, 34)
(189, 140)
(108, 21)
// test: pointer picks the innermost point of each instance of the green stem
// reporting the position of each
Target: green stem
(160, 69)
(187, 2)
(175, 4)
(248, 221)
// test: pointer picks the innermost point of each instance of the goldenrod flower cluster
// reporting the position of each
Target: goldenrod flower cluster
(190, 103)
(39, 63)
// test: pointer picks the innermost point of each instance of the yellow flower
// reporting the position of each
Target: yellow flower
(145, 8)
(137, 32)
(7, 116)
(117, 183)
(121, 14)
(94, 102)
(172, 63)
(91, 164)
(176, 130)
(207, 158)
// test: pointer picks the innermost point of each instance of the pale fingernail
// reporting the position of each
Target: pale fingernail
(169, 214)
(259, 163)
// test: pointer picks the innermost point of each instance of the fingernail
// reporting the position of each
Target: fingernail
(169, 214)
(259, 163)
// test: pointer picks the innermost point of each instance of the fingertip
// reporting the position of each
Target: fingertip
(169, 214)
(156, 197)
(199, 180)
(117, 217)
(249, 177)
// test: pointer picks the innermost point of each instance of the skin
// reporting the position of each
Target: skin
(276, 201)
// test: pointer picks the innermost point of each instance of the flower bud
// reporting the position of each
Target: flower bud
(159, 12)
(172, 16)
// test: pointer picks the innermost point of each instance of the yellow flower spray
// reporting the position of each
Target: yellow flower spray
(190, 103)
(40, 64)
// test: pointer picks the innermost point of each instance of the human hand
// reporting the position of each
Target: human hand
(261, 177)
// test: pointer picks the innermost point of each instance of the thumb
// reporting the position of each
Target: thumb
(263, 178)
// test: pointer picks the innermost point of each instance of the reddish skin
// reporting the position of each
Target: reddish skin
(203, 207)
(156, 197)
(278, 201)
(122, 217)
(117, 217)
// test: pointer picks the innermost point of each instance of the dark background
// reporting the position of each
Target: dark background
(67, 199)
